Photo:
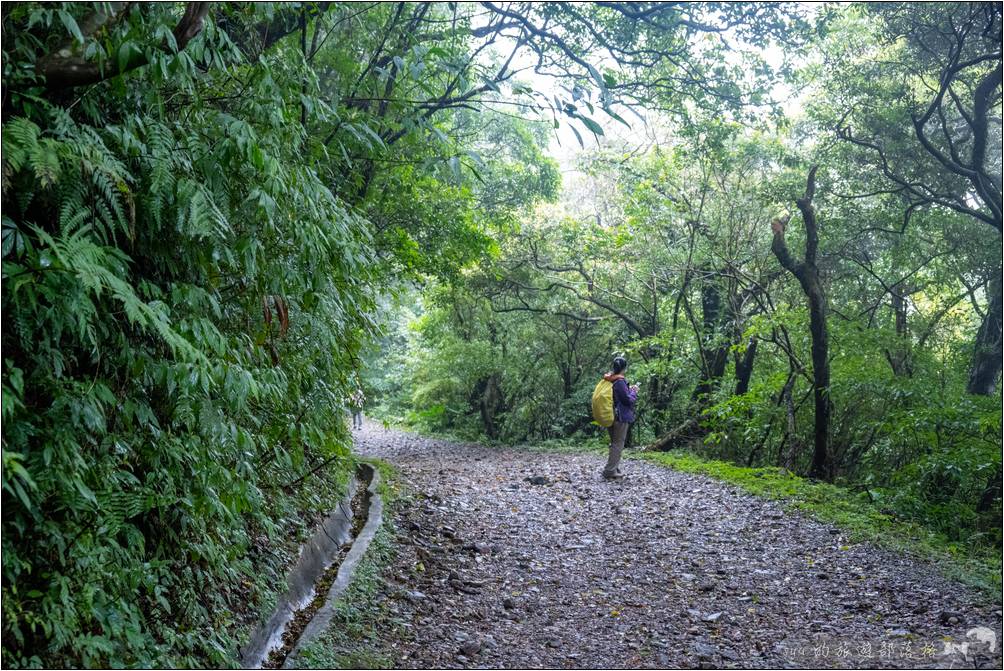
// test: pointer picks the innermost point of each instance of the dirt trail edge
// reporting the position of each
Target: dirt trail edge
(511, 558)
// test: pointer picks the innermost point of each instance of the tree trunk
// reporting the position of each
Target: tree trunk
(655, 395)
(820, 374)
(790, 437)
(808, 276)
(489, 400)
(987, 350)
(899, 356)
(744, 368)
(684, 432)
(566, 381)
(714, 341)
(991, 493)
(714, 352)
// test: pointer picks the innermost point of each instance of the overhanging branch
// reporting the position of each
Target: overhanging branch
(66, 67)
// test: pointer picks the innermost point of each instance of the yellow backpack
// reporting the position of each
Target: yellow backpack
(603, 403)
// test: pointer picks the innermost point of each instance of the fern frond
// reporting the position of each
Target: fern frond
(44, 161)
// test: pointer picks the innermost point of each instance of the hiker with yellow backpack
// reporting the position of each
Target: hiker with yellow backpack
(613, 408)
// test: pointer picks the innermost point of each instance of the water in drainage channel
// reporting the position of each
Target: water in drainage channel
(322, 573)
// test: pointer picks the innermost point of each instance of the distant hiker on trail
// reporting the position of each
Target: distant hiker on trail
(356, 401)
(613, 407)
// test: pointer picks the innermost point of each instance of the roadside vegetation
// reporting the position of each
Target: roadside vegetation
(218, 219)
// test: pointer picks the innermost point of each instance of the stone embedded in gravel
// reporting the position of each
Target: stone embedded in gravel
(508, 603)
(415, 596)
(460, 586)
(712, 617)
(729, 654)
(950, 617)
(704, 650)
(538, 480)
(470, 648)
(477, 548)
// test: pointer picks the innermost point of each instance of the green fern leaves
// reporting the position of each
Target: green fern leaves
(149, 410)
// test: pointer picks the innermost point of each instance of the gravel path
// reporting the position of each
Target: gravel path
(662, 569)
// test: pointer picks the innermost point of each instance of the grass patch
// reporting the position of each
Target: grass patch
(351, 641)
(853, 513)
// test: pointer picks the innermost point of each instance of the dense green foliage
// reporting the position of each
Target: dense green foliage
(210, 210)
(192, 254)
(664, 252)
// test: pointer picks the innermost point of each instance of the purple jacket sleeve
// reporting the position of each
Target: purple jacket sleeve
(624, 396)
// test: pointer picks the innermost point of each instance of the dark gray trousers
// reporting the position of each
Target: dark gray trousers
(618, 433)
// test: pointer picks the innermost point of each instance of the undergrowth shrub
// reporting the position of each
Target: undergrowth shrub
(182, 299)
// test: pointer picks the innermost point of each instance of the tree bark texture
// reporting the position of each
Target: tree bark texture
(987, 350)
(807, 274)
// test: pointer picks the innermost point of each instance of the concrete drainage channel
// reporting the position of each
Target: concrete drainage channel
(323, 572)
